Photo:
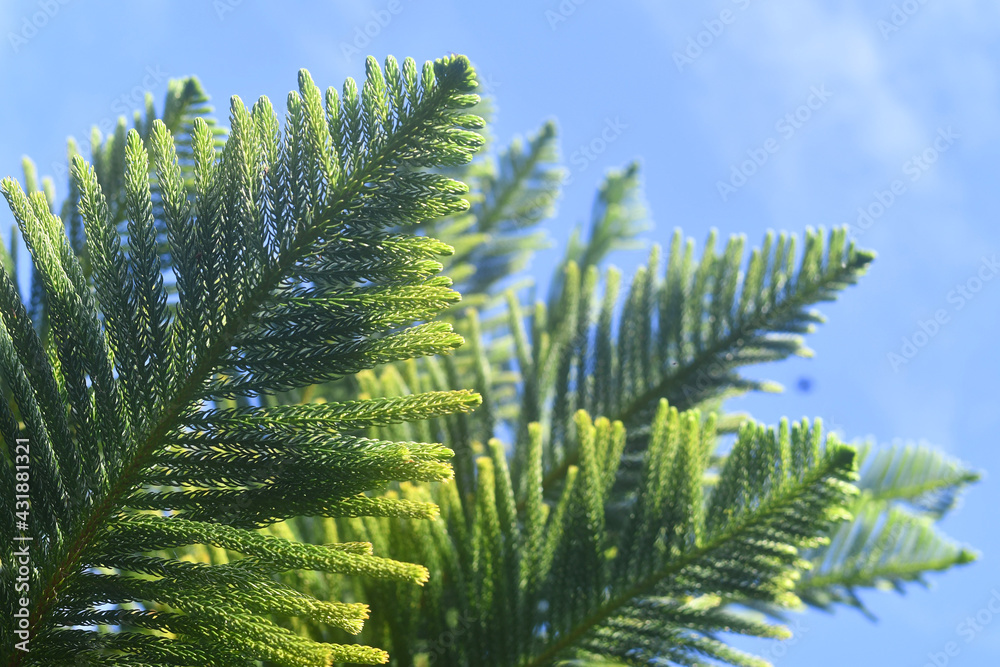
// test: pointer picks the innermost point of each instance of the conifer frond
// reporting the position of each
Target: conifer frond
(681, 337)
(905, 491)
(925, 479)
(290, 269)
(885, 546)
(705, 320)
(562, 579)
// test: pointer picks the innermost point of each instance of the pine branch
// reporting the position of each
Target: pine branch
(881, 547)
(682, 339)
(559, 581)
(234, 278)
(925, 479)
(745, 529)
(893, 539)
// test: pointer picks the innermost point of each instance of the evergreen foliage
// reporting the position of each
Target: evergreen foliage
(237, 352)
(892, 539)
(287, 273)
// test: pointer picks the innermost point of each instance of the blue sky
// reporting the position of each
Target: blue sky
(890, 107)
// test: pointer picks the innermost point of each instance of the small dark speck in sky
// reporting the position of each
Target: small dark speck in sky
(804, 385)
